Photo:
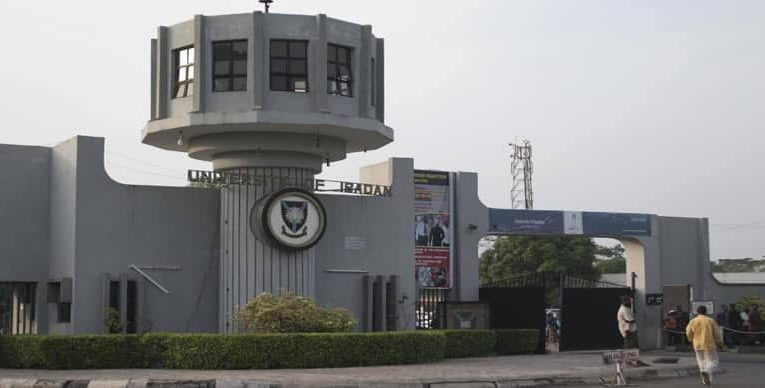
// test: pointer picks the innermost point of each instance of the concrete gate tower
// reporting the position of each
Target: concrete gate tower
(268, 99)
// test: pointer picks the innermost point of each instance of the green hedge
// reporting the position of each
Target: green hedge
(516, 341)
(211, 351)
(469, 343)
(71, 352)
(214, 351)
(257, 351)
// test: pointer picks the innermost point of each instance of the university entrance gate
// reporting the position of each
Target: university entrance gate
(586, 309)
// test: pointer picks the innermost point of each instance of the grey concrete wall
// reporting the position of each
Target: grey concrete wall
(24, 213)
(471, 221)
(116, 225)
(386, 228)
(24, 220)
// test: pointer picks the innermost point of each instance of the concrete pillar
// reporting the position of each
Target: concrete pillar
(363, 74)
(366, 319)
(200, 76)
(378, 304)
(380, 85)
(391, 303)
(257, 61)
(154, 76)
(163, 76)
(318, 63)
(250, 266)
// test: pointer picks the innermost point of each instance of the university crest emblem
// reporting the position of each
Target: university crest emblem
(294, 216)
(291, 219)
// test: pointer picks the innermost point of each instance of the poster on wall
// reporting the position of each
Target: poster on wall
(432, 229)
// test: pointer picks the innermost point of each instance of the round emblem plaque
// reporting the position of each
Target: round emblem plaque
(292, 218)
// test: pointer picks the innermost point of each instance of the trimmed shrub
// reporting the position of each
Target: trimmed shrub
(290, 313)
(516, 341)
(469, 343)
(215, 351)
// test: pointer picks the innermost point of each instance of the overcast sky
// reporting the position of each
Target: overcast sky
(641, 106)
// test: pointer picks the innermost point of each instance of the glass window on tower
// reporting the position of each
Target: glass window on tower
(230, 66)
(289, 65)
(183, 64)
(339, 70)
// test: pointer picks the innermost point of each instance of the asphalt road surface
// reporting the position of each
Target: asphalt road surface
(750, 373)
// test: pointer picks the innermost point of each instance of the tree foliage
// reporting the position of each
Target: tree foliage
(289, 313)
(510, 256)
(611, 259)
(747, 302)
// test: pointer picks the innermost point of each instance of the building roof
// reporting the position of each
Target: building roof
(740, 277)
(722, 277)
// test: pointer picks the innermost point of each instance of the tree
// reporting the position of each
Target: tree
(617, 265)
(572, 256)
(611, 259)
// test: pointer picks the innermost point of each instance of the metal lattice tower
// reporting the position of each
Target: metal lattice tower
(521, 169)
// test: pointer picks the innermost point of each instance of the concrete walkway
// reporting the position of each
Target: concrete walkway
(511, 371)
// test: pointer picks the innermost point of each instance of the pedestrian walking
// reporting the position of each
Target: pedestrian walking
(552, 329)
(627, 325)
(755, 324)
(704, 334)
(745, 338)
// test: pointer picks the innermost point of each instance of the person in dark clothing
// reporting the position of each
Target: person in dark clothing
(723, 322)
(734, 322)
(437, 235)
(682, 321)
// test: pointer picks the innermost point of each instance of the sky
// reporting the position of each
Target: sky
(649, 106)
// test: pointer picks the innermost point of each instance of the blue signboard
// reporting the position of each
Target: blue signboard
(525, 222)
(553, 223)
(616, 224)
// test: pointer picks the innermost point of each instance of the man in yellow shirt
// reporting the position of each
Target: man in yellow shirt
(705, 336)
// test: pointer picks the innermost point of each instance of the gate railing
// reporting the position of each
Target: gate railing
(429, 308)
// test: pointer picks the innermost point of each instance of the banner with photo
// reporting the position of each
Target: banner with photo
(432, 231)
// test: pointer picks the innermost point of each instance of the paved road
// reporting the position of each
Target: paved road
(741, 374)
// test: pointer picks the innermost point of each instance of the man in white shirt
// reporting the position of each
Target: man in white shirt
(627, 325)
(421, 232)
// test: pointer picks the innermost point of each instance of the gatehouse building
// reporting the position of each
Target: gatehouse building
(269, 99)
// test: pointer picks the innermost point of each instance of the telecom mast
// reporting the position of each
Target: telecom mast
(521, 168)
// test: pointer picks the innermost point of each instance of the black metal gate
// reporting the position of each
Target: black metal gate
(588, 314)
(18, 308)
(587, 308)
(517, 303)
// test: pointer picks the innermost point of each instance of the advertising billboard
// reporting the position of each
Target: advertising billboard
(432, 230)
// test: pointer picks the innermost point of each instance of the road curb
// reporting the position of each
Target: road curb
(642, 374)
